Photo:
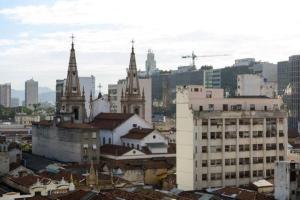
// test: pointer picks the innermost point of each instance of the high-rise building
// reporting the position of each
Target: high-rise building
(133, 98)
(227, 141)
(211, 77)
(5, 94)
(15, 102)
(150, 62)
(294, 96)
(31, 93)
(282, 76)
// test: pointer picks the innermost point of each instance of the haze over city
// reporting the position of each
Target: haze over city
(35, 35)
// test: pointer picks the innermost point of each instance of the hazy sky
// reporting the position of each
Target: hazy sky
(35, 35)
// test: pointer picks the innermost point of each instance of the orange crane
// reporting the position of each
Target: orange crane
(194, 56)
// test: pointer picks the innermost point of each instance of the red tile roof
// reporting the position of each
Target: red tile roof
(138, 133)
(110, 121)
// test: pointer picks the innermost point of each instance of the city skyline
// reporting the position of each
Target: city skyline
(38, 34)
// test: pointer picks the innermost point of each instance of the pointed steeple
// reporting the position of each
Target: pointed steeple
(132, 86)
(72, 83)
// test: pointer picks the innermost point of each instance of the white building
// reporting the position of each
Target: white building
(115, 93)
(31, 93)
(226, 141)
(255, 85)
(5, 95)
(286, 180)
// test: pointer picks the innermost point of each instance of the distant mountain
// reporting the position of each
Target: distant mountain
(45, 95)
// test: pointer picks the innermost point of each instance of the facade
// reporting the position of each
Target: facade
(282, 76)
(255, 85)
(287, 179)
(150, 63)
(26, 120)
(227, 141)
(5, 95)
(133, 98)
(115, 93)
(31, 93)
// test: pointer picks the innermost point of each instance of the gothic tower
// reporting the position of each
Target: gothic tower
(132, 100)
(73, 101)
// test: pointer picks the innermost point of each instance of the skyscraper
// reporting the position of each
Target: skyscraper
(294, 97)
(282, 76)
(5, 95)
(31, 93)
(150, 62)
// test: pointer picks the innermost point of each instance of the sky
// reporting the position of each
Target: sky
(35, 35)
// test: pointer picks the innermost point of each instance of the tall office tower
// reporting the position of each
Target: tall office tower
(282, 76)
(5, 94)
(31, 93)
(150, 62)
(294, 96)
(227, 141)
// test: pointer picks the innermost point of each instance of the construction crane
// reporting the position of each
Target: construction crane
(194, 56)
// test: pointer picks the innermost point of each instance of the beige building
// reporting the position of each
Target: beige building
(227, 141)
(24, 119)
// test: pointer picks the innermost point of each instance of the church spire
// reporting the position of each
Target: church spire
(132, 85)
(72, 83)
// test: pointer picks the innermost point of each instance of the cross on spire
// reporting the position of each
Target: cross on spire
(72, 37)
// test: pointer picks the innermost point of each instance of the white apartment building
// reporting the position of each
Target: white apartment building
(255, 85)
(31, 93)
(115, 92)
(226, 141)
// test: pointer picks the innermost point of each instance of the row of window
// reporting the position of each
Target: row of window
(242, 161)
(232, 175)
(242, 147)
(242, 134)
(247, 121)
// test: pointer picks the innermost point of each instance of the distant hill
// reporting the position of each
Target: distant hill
(45, 95)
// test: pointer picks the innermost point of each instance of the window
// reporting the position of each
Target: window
(196, 89)
(94, 146)
(215, 176)
(244, 161)
(225, 107)
(208, 94)
(230, 135)
(211, 107)
(154, 136)
(271, 146)
(281, 134)
(252, 106)
(257, 147)
(76, 113)
(94, 135)
(257, 160)
(204, 149)
(204, 136)
(215, 149)
(109, 140)
(196, 163)
(204, 163)
(204, 177)
(230, 175)
(103, 140)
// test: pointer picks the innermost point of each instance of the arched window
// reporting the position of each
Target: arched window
(109, 140)
(137, 110)
(124, 109)
(103, 141)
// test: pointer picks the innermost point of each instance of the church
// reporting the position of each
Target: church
(72, 136)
